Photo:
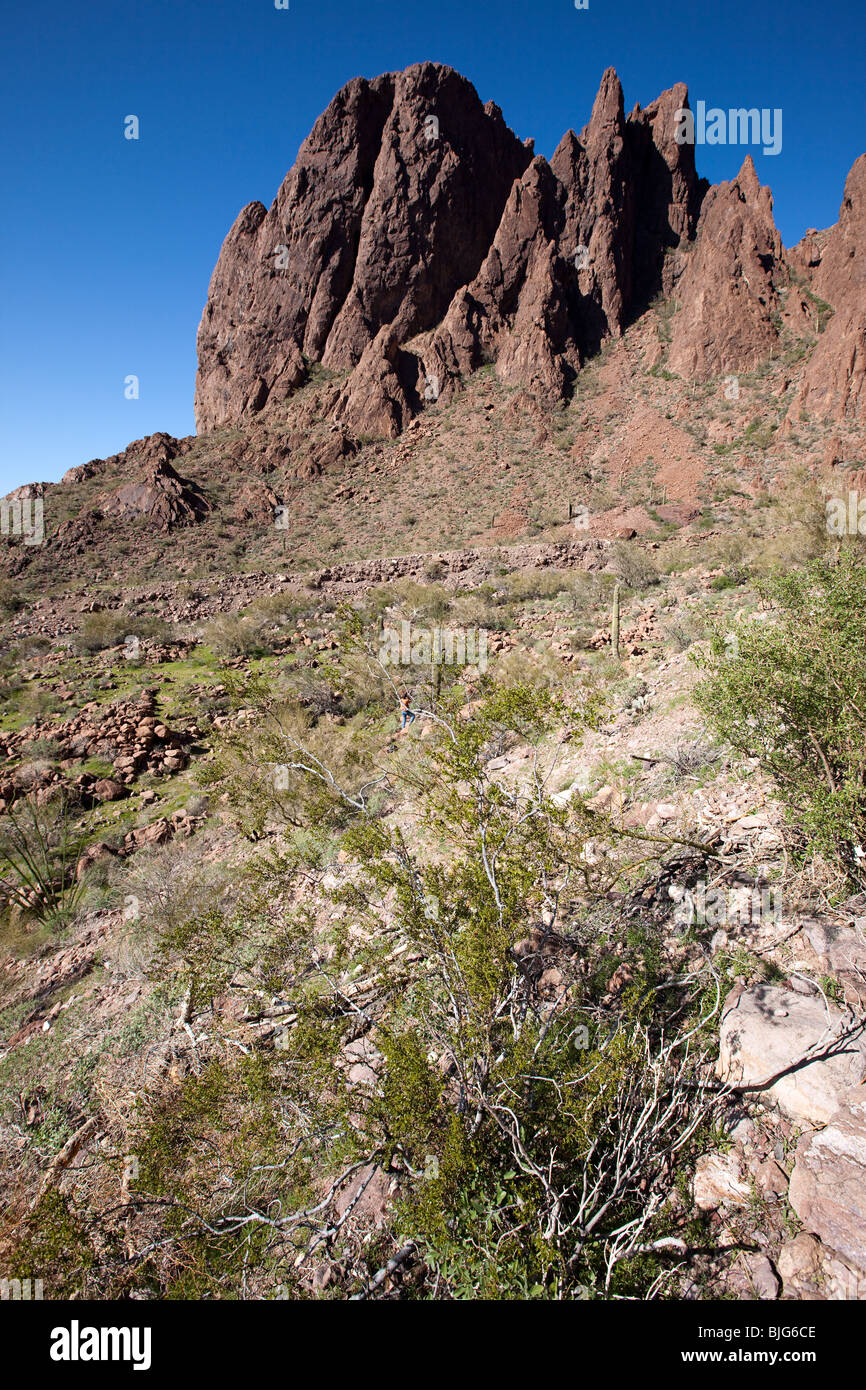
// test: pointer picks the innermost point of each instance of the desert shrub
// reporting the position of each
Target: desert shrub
(419, 602)
(283, 607)
(40, 848)
(53, 1245)
(35, 701)
(633, 566)
(101, 630)
(760, 433)
(479, 609)
(677, 558)
(221, 1136)
(791, 691)
(684, 628)
(167, 885)
(288, 766)
(523, 586)
(518, 1119)
(231, 635)
(687, 758)
(111, 627)
(11, 598)
(798, 530)
(501, 1119)
(531, 1123)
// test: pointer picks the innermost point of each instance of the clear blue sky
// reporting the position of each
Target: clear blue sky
(108, 244)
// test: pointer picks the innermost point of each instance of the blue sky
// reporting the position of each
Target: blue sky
(108, 244)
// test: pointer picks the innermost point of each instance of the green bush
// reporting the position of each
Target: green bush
(231, 635)
(111, 627)
(54, 1246)
(633, 566)
(511, 1119)
(40, 849)
(11, 599)
(101, 630)
(791, 691)
(541, 1085)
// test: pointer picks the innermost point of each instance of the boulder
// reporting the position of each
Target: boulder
(841, 951)
(809, 1270)
(94, 854)
(720, 1182)
(828, 1184)
(161, 495)
(105, 789)
(766, 1030)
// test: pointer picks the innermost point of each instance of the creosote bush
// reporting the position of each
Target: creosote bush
(539, 1083)
(534, 1116)
(791, 691)
(634, 567)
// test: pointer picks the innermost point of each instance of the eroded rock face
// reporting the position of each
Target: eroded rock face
(154, 489)
(411, 203)
(580, 249)
(390, 207)
(159, 494)
(516, 311)
(834, 384)
(729, 288)
(838, 271)
(416, 239)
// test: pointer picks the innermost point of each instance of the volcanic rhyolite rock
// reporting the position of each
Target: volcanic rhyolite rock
(828, 1184)
(795, 1051)
(580, 249)
(411, 203)
(390, 207)
(416, 239)
(161, 495)
(729, 289)
(151, 488)
(834, 262)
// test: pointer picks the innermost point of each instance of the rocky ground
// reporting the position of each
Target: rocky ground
(621, 394)
(782, 1192)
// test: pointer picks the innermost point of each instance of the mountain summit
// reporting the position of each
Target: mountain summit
(417, 238)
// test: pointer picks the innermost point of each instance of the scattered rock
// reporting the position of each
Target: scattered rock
(761, 1276)
(719, 1182)
(828, 1184)
(765, 1030)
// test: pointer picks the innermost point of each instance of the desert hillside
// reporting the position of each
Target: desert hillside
(432, 808)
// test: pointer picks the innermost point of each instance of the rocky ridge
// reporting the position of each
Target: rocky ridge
(416, 239)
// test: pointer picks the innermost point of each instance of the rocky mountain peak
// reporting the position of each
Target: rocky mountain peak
(417, 237)
(391, 206)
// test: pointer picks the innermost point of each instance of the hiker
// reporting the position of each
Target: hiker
(406, 710)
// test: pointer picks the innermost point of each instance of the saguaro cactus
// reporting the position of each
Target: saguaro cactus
(614, 624)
